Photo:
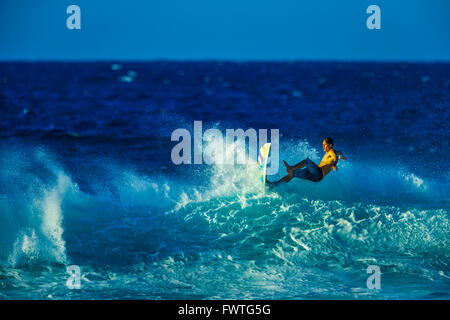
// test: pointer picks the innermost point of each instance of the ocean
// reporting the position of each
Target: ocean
(87, 180)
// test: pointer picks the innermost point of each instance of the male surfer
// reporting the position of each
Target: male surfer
(308, 170)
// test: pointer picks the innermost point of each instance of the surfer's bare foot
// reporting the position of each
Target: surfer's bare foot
(288, 167)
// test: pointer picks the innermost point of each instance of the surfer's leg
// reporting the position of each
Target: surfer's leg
(294, 171)
(288, 167)
(286, 178)
(302, 174)
(300, 165)
(314, 171)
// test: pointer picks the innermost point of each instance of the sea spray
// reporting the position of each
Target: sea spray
(34, 187)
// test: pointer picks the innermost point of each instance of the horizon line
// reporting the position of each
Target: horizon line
(216, 60)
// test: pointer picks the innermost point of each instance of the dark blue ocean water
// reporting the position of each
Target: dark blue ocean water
(86, 179)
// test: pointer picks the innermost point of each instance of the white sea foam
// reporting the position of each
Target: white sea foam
(33, 213)
(418, 182)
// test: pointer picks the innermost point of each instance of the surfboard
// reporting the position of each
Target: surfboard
(263, 157)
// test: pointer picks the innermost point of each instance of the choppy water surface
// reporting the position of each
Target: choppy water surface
(86, 179)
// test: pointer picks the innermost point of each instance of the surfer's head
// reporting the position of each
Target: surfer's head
(327, 144)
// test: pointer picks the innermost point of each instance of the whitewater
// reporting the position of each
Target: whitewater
(160, 236)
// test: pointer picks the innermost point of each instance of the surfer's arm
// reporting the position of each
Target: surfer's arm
(340, 155)
(334, 159)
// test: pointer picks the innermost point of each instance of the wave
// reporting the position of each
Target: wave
(355, 215)
(33, 188)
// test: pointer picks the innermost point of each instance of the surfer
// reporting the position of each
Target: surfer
(308, 170)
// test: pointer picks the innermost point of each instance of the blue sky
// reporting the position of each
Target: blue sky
(411, 30)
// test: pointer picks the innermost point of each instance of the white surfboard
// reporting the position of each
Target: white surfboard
(263, 158)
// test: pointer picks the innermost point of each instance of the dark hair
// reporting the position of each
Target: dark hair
(328, 140)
